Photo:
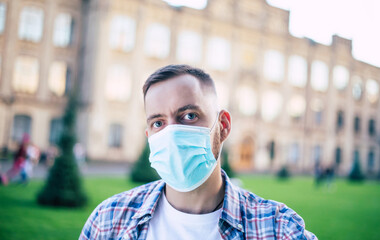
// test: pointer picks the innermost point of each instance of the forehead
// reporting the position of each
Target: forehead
(169, 95)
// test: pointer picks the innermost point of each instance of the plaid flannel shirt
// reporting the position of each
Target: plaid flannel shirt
(244, 216)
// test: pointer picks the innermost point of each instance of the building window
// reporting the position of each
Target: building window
(340, 77)
(317, 106)
(294, 153)
(271, 105)
(247, 100)
(58, 78)
(319, 76)
(272, 150)
(223, 92)
(115, 137)
(25, 74)
(372, 90)
(357, 88)
(357, 124)
(372, 127)
(118, 83)
(157, 41)
(317, 154)
(69, 82)
(318, 117)
(297, 73)
(246, 151)
(296, 106)
(218, 53)
(56, 129)
(338, 156)
(123, 33)
(3, 16)
(21, 126)
(189, 47)
(356, 157)
(63, 30)
(31, 24)
(371, 161)
(274, 66)
(340, 120)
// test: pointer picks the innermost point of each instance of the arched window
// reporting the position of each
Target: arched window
(338, 156)
(340, 120)
(189, 47)
(56, 128)
(371, 161)
(115, 135)
(21, 125)
(63, 30)
(319, 76)
(157, 41)
(357, 124)
(31, 24)
(122, 33)
(372, 127)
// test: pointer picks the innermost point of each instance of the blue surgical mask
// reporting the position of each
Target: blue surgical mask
(182, 156)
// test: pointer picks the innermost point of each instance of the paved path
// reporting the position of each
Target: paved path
(87, 169)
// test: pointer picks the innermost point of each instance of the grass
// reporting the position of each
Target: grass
(346, 211)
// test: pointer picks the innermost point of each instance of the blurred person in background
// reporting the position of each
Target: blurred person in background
(32, 159)
(79, 153)
(195, 198)
(18, 162)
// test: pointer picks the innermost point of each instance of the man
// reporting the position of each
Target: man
(195, 199)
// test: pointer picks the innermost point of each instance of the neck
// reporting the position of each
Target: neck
(204, 199)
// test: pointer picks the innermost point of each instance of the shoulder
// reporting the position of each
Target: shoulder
(272, 218)
(131, 199)
(115, 213)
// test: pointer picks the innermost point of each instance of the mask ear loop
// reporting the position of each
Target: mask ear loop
(213, 125)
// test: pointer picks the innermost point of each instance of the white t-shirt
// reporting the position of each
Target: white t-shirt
(168, 223)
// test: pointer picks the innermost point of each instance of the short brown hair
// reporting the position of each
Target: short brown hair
(172, 71)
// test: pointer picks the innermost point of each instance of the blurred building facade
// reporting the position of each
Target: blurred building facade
(293, 101)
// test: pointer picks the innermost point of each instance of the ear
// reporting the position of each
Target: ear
(225, 124)
(146, 132)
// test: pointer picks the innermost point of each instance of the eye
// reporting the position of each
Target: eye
(157, 124)
(190, 116)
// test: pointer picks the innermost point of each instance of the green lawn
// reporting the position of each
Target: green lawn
(346, 211)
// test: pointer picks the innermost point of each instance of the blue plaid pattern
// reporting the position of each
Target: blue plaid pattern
(244, 216)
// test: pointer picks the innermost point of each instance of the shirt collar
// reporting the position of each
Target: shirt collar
(231, 212)
(149, 205)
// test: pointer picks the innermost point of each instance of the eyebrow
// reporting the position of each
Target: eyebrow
(181, 109)
(188, 107)
(154, 116)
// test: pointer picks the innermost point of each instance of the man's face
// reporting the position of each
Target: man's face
(182, 100)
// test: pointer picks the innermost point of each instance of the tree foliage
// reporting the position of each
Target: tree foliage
(142, 171)
(356, 174)
(283, 173)
(226, 165)
(63, 186)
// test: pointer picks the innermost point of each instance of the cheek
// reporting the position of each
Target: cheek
(215, 140)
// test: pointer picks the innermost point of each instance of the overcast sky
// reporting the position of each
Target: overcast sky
(358, 20)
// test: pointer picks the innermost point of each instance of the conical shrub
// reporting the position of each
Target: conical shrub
(63, 186)
(142, 172)
(356, 174)
(226, 164)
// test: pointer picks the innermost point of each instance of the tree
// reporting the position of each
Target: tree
(226, 165)
(63, 186)
(356, 174)
(283, 173)
(142, 171)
